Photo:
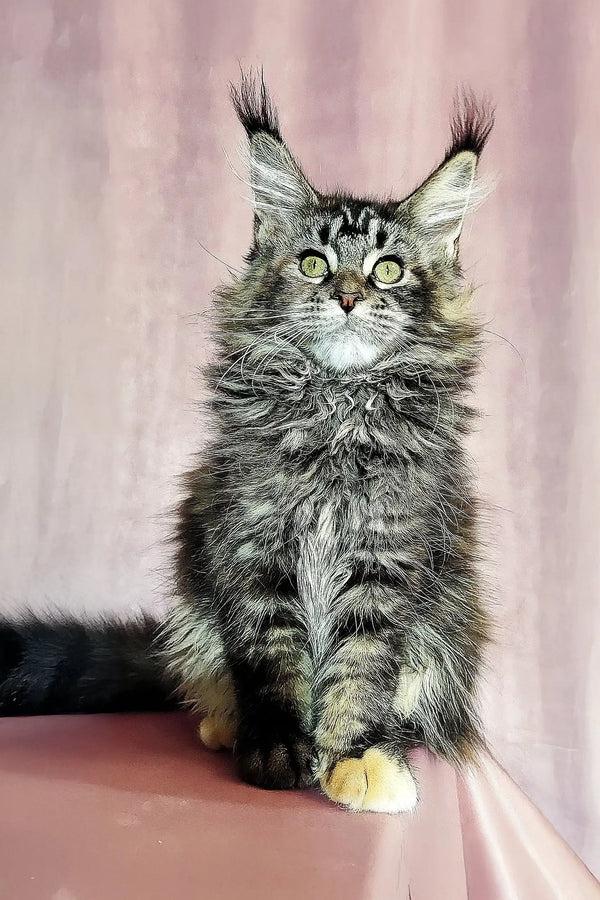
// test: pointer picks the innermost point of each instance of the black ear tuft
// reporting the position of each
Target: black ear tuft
(471, 124)
(254, 106)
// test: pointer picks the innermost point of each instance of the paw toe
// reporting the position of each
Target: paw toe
(374, 781)
(280, 766)
(347, 783)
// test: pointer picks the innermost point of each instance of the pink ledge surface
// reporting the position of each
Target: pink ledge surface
(131, 806)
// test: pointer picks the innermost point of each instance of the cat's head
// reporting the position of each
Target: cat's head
(348, 281)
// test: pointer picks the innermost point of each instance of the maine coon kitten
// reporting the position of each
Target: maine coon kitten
(328, 616)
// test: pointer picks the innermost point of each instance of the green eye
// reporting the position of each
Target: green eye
(314, 265)
(388, 270)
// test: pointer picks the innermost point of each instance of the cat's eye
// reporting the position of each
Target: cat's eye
(314, 265)
(388, 270)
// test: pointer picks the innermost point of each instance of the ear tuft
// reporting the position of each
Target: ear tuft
(470, 125)
(254, 106)
(438, 207)
(278, 184)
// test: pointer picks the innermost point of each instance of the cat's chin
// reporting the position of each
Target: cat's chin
(343, 352)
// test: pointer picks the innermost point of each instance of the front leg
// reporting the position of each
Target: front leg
(359, 739)
(271, 674)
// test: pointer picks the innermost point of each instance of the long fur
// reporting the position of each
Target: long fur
(61, 665)
(471, 124)
(328, 616)
(254, 106)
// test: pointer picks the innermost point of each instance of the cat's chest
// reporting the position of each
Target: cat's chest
(344, 454)
(347, 456)
(334, 428)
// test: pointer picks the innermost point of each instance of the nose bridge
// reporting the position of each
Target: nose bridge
(349, 287)
(349, 282)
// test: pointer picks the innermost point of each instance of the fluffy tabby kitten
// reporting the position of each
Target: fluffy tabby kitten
(328, 616)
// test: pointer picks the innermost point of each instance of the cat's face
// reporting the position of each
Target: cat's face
(350, 282)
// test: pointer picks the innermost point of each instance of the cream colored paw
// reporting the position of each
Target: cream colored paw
(374, 782)
(216, 733)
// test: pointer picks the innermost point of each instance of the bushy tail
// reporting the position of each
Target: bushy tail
(50, 666)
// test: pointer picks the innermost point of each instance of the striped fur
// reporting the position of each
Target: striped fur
(327, 546)
(328, 614)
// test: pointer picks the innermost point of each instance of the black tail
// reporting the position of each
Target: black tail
(50, 666)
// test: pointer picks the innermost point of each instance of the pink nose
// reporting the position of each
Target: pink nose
(347, 301)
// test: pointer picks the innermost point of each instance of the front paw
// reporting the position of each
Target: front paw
(275, 761)
(374, 781)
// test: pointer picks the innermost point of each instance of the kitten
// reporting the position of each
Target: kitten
(328, 616)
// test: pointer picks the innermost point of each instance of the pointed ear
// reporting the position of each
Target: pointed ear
(278, 183)
(438, 207)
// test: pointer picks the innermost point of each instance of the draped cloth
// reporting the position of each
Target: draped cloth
(113, 180)
(132, 806)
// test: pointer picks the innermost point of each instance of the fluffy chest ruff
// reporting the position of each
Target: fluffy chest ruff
(330, 483)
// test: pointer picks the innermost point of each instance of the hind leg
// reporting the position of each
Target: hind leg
(436, 688)
(218, 728)
(195, 658)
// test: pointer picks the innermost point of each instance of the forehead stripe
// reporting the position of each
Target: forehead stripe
(336, 224)
(352, 228)
(324, 233)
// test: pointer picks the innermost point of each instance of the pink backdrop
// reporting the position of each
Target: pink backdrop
(114, 120)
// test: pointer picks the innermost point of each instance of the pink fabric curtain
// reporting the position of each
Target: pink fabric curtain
(113, 173)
